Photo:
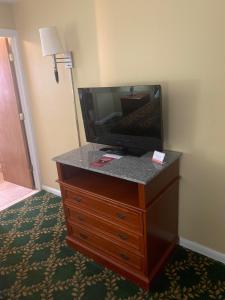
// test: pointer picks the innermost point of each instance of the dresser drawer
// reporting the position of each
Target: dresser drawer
(122, 216)
(106, 246)
(93, 222)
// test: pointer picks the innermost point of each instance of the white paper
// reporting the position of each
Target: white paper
(158, 157)
(113, 156)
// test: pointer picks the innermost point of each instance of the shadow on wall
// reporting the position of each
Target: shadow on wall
(186, 128)
(180, 112)
(202, 203)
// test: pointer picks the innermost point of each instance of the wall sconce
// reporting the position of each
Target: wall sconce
(52, 46)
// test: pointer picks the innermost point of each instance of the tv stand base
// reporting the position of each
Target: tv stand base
(123, 151)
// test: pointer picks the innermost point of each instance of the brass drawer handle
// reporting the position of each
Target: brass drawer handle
(80, 218)
(123, 236)
(77, 199)
(121, 216)
(83, 236)
(124, 256)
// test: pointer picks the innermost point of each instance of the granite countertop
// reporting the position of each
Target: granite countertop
(132, 168)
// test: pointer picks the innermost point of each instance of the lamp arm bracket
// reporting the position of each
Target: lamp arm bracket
(67, 60)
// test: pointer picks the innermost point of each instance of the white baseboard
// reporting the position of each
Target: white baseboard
(51, 190)
(203, 250)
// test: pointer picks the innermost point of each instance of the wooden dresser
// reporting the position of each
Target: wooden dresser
(129, 225)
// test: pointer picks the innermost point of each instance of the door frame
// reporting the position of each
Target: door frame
(24, 101)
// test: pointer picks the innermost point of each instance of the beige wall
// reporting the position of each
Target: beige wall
(180, 44)
(51, 103)
(6, 17)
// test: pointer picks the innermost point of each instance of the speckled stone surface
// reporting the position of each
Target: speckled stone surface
(136, 169)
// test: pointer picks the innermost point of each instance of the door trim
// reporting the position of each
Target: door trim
(22, 86)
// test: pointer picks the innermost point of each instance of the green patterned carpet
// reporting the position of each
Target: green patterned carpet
(35, 263)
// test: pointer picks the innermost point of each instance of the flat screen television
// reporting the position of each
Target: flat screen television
(128, 118)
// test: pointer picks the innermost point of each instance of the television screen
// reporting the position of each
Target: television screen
(125, 116)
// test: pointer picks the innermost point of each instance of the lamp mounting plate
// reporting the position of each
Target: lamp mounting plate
(69, 60)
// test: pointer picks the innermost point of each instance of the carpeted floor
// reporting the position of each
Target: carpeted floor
(35, 263)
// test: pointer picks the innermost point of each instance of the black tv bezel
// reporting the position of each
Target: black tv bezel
(120, 145)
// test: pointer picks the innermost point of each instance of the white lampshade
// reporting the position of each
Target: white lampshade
(50, 41)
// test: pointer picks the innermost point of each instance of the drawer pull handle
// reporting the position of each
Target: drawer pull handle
(83, 236)
(80, 218)
(77, 199)
(123, 236)
(124, 256)
(121, 216)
